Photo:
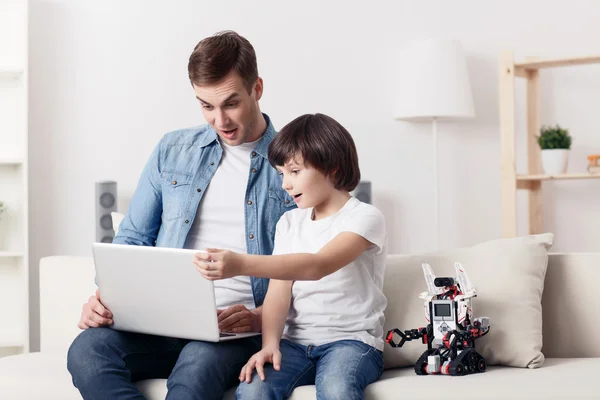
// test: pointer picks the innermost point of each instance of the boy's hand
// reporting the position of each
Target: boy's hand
(218, 264)
(267, 354)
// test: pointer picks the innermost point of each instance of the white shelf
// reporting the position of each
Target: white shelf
(11, 162)
(10, 73)
(10, 254)
(14, 235)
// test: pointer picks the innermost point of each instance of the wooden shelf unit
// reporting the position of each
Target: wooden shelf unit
(531, 181)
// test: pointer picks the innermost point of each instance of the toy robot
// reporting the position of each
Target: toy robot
(451, 332)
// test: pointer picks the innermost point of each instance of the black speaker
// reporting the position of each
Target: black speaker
(106, 202)
(363, 192)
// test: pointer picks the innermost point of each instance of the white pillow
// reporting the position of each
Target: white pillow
(116, 220)
(509, 277)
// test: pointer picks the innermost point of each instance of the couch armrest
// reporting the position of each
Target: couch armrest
(66, 282)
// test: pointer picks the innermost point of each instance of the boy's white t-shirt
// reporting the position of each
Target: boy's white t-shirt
(348, 304)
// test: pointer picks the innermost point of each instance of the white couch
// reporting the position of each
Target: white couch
(571, 347)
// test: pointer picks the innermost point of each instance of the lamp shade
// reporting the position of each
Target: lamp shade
(433, 81)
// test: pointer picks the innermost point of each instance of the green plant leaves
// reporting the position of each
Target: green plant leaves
(554, 138)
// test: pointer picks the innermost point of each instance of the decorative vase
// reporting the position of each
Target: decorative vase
(555, 161)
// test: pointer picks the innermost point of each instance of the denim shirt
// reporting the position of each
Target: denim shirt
(174, 180)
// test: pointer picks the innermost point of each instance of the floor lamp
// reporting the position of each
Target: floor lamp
(433, 84)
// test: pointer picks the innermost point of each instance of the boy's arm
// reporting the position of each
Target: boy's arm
(275, 311)
(339, 252)
(276, 308)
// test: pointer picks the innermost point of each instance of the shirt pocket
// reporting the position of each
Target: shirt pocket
(279, 202)
(175, 193)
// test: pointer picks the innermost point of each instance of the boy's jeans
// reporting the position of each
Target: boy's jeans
(340, 370)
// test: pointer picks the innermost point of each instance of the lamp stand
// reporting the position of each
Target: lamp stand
(435, 185)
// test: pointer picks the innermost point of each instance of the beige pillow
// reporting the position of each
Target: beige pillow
(509, 277)
(116, 220)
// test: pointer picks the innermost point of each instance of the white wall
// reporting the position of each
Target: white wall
(109, 78)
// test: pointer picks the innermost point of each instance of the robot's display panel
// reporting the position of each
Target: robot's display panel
(442, 310)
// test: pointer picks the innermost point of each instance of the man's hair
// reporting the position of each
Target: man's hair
(216, 56)
(324, 145)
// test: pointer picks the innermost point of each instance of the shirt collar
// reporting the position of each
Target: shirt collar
(262, 148)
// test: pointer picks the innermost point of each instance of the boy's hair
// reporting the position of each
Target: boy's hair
(324, 145)
(216, 56)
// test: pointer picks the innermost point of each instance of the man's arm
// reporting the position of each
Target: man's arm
(339, 252)
(141, 223)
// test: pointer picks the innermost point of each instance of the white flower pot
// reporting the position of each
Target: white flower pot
(555, 161)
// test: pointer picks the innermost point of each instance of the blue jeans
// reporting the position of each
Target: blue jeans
(340, 370)
(104, 363)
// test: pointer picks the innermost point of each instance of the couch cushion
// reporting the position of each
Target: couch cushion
(568, 305)
(509, 277)
(36, 376)
(558, 379)
(44, 376)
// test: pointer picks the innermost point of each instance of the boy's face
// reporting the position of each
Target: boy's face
(230, 109)
(307, 185)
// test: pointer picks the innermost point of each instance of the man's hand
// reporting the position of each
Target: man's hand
(94, 314)
(267, 354)
(239, 319)
(218, 264)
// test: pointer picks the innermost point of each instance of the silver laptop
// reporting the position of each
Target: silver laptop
(158, 291)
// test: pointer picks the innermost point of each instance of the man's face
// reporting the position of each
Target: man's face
(230, 109)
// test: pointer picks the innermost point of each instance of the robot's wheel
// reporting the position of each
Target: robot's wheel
(457, 370)
(472, 360)
(421, 364)
(481, 365)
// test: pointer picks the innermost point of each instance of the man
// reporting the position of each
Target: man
(209, 186)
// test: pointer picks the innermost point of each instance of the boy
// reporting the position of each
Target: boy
(327, 272)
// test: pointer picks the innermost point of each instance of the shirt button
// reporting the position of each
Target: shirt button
(212, 163)
(253, 169)
(287, 202)
(251, 236)
(198, 190)
(249, 202)
(253, 154)
(174, 182)
(187, 221)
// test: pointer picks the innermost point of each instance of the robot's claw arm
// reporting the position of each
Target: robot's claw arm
(408, 335)
(481, 327)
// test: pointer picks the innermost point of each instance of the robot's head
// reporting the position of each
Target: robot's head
(443, 282)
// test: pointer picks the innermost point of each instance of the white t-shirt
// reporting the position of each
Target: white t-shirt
(220, 220)
(348, 304)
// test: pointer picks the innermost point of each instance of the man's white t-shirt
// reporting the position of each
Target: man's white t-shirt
(348, 304)
(220, 220)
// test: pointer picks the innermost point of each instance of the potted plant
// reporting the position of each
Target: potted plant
(555, 143)
(2, 209)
